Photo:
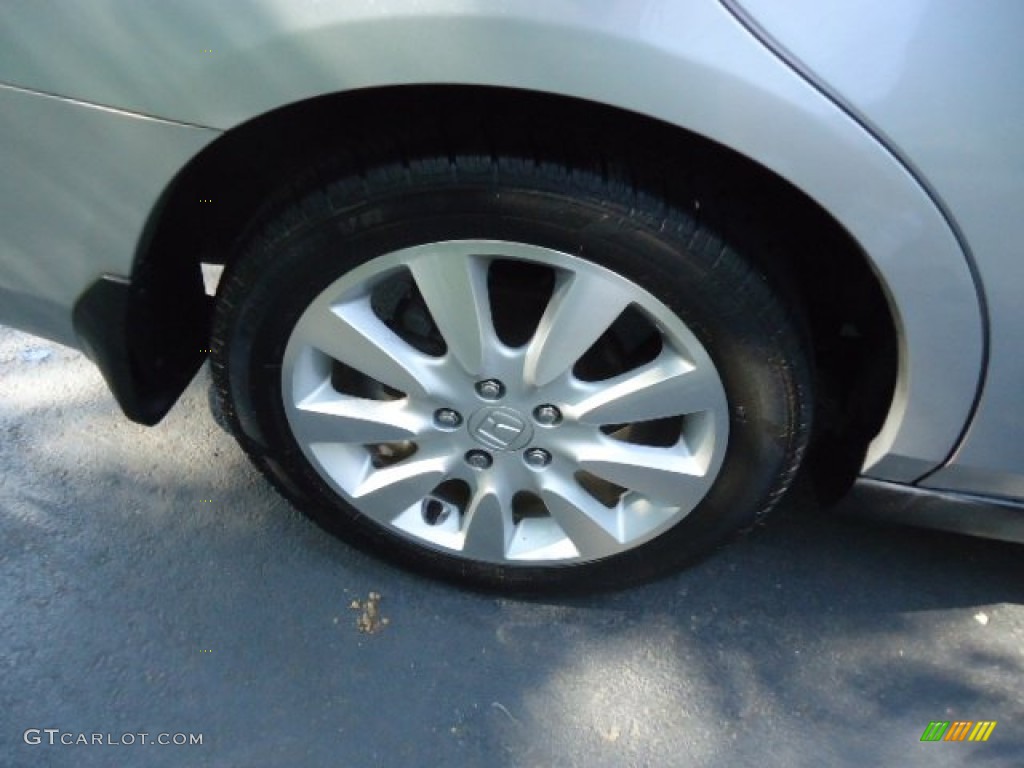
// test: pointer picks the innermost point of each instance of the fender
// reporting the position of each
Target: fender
(691, 64)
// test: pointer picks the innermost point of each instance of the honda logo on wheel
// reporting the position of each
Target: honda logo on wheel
(502, 429)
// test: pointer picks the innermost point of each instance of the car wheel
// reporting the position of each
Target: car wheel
(509, 372)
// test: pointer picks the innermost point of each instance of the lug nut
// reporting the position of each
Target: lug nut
(492, 389)
(446, 418)
(547, 415)
(537, 458)
(479, 459)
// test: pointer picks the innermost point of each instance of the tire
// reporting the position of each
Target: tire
(640, 394)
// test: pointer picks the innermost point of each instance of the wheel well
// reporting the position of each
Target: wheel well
(803, 249)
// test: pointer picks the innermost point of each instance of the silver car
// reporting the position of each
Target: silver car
(540, 293)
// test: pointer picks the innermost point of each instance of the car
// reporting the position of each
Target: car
(540, 295)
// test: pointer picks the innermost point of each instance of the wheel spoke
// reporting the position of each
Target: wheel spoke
(589, 524)
(351, 333)
(661, 474)
(385, 493)
(487, 530)
(667, 386)
(454, 288)
(327, 417)
(581, 309)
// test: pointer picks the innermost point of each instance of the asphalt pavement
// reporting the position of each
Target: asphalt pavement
(153, 583)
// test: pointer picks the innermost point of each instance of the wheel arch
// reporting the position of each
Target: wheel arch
(721, 83)
(217, 193)
(692, 65)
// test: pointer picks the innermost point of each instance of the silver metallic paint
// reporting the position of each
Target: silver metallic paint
(77, 186)
(943, 80)
(688, 63)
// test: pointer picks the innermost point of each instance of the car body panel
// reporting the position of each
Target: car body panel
(943, 81)
(78, 185)
(982, 516)
(692, 64)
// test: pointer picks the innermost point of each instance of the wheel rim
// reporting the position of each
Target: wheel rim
(569, 418)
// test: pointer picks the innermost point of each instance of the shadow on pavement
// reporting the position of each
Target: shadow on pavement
(153, 583)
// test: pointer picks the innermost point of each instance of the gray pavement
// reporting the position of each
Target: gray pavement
(153, 583)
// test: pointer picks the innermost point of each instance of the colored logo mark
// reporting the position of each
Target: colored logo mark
(958, 730)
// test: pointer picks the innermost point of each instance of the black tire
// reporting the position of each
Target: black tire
(350, 212)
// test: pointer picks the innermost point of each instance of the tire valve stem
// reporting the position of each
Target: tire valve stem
(436, 511)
